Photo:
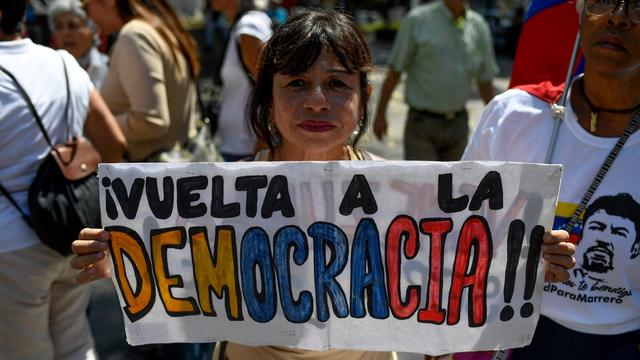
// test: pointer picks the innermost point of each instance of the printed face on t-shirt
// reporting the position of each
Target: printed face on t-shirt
(602, 234)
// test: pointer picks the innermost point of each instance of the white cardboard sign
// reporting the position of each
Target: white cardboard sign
(420, 257)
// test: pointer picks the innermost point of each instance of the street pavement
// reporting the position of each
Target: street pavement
(105, 314)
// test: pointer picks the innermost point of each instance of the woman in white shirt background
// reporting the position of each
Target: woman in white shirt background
(250, 30)
(73, 31)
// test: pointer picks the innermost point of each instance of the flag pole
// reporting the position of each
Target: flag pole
(558, 109)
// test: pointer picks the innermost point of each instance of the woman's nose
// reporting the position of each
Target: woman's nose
(619, 16)
(316, 99)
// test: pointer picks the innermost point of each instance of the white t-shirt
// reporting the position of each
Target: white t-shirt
(97, 66)
(236, 136)
(603, 294)
(39, 71)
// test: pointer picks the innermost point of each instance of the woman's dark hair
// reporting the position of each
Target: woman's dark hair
(293, 49)
(161, 16)
(12, 15)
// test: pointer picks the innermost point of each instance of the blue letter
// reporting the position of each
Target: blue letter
(296, 311)
(331, 236)
(256, 251)
(366, 249)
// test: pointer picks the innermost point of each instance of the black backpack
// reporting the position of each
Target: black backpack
(63, 198)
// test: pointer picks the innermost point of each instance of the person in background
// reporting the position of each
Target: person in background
(249, 30)
(595, 313)
(150, 86)
(73, 31)
(443, 47)
(43, 309)
(151, 90)
(310, 97)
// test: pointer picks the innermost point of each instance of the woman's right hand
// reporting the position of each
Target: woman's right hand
(91, 255)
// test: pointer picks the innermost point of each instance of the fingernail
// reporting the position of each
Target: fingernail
(102, 246)
(91, 271)
(546, 256)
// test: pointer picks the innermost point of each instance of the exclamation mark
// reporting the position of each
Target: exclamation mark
(535, 243)
(112, 211)
(515, 237)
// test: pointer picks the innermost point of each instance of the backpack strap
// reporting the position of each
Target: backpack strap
(13, 201)
(35, 115)
(32, 108)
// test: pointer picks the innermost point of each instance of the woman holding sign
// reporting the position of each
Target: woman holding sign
(309, 104)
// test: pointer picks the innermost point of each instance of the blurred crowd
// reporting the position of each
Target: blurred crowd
(293, 86)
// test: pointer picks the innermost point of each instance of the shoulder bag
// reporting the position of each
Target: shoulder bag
(63, 198)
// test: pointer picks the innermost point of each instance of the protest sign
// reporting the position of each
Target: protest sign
(411, 256)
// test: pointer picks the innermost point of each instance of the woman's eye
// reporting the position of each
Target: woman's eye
(338, 83)
(295, 83)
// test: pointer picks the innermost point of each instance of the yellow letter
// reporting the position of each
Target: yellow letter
(219, 273)
(126, 242)
(161, 239)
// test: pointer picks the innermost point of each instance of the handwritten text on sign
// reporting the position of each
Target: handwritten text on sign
(411, 256)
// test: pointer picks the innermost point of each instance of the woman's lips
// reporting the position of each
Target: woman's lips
(316, 126)
(612, 43)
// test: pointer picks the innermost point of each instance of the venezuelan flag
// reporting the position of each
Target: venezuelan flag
(564, 211)
(546, 43)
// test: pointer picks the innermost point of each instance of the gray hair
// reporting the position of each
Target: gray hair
(59, 7)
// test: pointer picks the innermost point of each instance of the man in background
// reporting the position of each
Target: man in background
(443, 47)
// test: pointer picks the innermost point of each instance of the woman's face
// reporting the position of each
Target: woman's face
(611, 42)
(105, 14)
(316, 112)
(71, 33)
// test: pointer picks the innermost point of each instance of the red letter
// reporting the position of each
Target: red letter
(474, 234)
(437, 229)
(401, 227)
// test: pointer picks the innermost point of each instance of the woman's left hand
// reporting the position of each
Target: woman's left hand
(558, 254)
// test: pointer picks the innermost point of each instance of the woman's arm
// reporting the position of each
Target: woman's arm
(250, 48)
(103, 131)
(137, 61)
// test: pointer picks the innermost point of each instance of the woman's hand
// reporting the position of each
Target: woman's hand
(558, 253)
(91, 251)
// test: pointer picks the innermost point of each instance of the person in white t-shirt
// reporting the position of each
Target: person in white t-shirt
(250, 30)
(596, 313)
(43, 309)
